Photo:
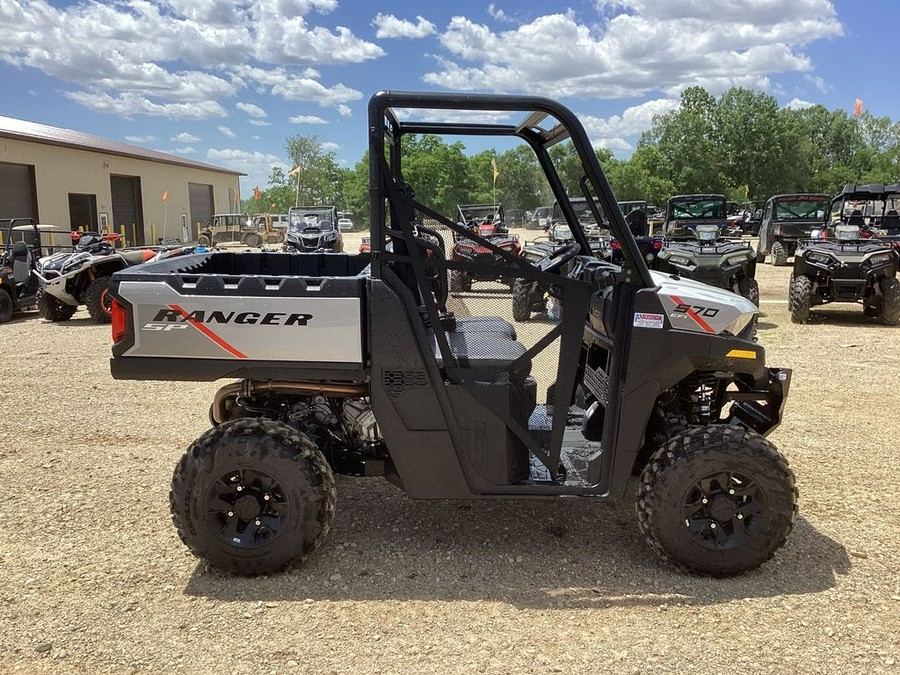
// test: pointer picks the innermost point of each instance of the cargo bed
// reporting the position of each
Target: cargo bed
(286, 316)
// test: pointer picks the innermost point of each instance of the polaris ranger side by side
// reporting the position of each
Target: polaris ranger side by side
(786, 220)
(356, 364)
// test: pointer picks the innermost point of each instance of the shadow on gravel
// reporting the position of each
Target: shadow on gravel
(845, 317)
(566, 554)
(765, 325)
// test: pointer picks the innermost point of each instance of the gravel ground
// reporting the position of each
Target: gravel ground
(94, 578)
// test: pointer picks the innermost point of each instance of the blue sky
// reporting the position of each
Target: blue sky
(227, 81)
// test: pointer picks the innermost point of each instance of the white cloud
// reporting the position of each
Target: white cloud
(613, 131)
(189, 150)
(252, 110)
(344, 110)
(798, 104)
(308, 119)
(227, 132)
(498, 14)
(185, 137)
(291, 87)
(473, 116)
(818, 82)
(257, 165)
(389, 26)
(328, 146)
(655, 45)
(140, 139)
(166, 54)
(260, 123)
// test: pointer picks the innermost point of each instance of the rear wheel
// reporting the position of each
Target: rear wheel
(52, 308)
(460, 281)
(6, 306)
(800, 298)
(252, 496)
(203, 240)
(252, 239)
(890, 302)
(717, 500)
(779, 255)
(99, 301)
(749, 288)
(521, 300)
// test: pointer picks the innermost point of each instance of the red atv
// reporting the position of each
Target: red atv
(483, 263)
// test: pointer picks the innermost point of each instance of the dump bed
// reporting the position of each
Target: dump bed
(256, 315)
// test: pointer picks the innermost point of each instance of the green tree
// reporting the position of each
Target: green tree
(318, 177)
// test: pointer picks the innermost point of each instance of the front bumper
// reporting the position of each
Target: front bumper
(761, 409)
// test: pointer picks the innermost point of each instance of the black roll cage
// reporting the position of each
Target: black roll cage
(386, 128)
(875, 192)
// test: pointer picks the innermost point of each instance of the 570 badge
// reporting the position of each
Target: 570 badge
(699, 310)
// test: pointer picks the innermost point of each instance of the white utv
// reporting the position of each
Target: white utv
(356, 364)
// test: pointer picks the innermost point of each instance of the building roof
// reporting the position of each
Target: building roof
(69, 138)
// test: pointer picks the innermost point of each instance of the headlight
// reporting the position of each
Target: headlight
(562, 233)
(881, 259)
(679, 260)
(819, 258)
(735, 259)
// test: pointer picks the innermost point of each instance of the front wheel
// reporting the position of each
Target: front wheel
(779, 254)
(252, 239)
(459, 281)
(717, 500)
(800, 299)
(890, 302)
(99, 301)
(749, 288)
(252, 496)
(203, 241)
(521, 300)
(53, 309)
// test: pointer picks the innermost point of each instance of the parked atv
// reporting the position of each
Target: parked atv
(643, 373)
(82, 277)
(650, 248)
(786, 220)
(839, 266)
(18, 264)
(481, 223)
(313, 229)
(707, 258)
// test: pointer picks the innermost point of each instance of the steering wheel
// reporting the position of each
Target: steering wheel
(560, 258)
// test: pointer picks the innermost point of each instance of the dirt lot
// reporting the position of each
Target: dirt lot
(94, 578)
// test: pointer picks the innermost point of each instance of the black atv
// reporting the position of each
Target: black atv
(706, 258)
(313, 229)
(18, 264)
(840, 266)
(485, 221)
(786, 220)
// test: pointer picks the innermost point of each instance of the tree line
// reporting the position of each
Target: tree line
(741, 144)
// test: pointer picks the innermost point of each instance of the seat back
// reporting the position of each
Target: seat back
(856, 218)
(22, 262)
(891, 220)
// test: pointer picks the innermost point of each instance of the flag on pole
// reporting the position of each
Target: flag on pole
(294, 171)
(257, 195)
(858, 108)
(495, 170)
(165, 196)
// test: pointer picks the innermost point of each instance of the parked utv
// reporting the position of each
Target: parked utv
(82, 276)
(685, 212)
(18, 264)
(485, 220)
(845, 262)
(699, 253)
(786, 220)
(355, 364)
(225, 228)
(313, 229)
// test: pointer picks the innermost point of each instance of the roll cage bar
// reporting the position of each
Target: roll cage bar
(386, 130)
(874, 192)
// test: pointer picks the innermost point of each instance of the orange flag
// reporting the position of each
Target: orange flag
(165, 196)
(256, 193)
(857, 108)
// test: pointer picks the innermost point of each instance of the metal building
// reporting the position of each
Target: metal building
(72, 179)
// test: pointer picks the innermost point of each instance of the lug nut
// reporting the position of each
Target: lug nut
(712, 526)
(266, 497)
(230, 513)
(731, 491)
(704, 500)
(740, 516)
(240, 488)
(258, 522)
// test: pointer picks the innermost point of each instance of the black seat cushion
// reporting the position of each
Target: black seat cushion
(493, 352)
(485, 324)
(891, 220)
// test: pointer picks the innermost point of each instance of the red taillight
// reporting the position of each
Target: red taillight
(119, 321)
(616, 245)
(657, 245)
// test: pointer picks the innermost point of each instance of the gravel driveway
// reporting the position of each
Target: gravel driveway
(95, 580)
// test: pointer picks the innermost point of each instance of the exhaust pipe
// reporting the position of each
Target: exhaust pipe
(249, 389)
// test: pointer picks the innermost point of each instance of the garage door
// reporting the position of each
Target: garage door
(18, 197)
(126, 207)
(201, 197)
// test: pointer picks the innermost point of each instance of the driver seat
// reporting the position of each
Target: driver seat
(22, 262)
(891, 220)
(856, 218)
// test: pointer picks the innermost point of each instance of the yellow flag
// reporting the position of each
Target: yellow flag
(495, 169)
(294, 171)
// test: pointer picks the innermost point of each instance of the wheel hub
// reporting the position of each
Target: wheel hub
(246, 508)
(723, 510)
